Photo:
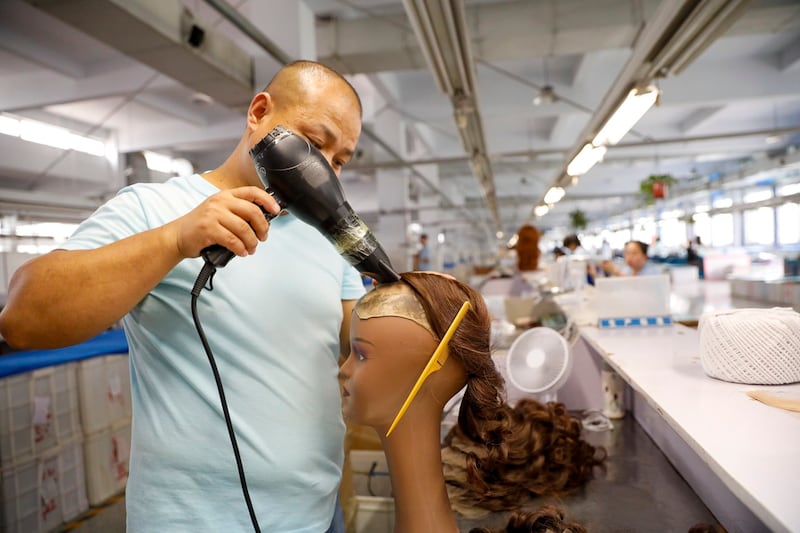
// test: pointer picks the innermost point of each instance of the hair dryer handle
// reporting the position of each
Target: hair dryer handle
(218, 256)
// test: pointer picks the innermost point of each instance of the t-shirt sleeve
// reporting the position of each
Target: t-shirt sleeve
(352, 286)
(120, 217)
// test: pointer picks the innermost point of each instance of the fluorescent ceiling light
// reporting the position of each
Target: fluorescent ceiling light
(586, 159)
(9, 126)
(626, 116)
(553, 195)
(46, 134)
(540, 210)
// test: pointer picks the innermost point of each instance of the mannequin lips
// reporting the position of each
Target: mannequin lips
(345, 393)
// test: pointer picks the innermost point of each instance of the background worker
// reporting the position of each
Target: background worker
(422, 259)
(636, 262)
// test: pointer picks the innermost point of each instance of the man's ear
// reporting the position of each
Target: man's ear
(260, 106)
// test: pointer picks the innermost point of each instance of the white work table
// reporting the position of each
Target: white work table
(753, 449)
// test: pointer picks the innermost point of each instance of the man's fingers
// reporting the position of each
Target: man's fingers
(258, 196)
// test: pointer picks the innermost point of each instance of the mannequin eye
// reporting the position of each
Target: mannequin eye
(358, 354)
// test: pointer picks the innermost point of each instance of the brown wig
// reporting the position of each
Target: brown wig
(548, 519)
(528, 248)
(497, 456)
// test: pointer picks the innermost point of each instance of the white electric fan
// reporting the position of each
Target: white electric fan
(538, 363)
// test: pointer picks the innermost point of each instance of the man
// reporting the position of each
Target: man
(275, 322)
(422, 259)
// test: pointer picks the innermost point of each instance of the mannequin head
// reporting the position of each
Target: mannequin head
(394, 332)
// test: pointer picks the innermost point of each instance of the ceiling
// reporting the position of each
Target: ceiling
(124, 71)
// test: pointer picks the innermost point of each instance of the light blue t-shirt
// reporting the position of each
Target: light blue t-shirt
(649, 269)
(272, 321)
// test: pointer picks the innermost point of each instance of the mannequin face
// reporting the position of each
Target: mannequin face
(387, 355)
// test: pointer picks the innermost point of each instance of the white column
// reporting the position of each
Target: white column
(287, 23)
(392, 188)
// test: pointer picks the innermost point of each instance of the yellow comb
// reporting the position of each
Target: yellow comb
(435, 363)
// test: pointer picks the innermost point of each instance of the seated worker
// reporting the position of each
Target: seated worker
(572, 245)
(496, 457)
(636, 263)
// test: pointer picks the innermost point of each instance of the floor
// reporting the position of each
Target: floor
(638, 490)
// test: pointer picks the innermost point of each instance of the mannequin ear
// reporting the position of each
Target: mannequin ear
(260, 106)
(445, 383)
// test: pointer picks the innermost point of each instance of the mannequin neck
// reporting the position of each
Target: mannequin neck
(413, 453)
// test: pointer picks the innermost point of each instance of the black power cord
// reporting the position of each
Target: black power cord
(206, 276)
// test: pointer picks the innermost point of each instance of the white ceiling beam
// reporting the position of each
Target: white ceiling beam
(40, 54)
(518, 29)
(41, 89)
(698, 117)
(156, 33)
(169, 106)
(763, 82)
(179, 136)
(789, 57)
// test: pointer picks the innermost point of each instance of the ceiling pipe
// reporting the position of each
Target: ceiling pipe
(560, 151)
(441, 30)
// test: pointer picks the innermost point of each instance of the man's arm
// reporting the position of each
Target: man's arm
(66, 297)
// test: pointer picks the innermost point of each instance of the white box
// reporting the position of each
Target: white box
(16, 434)
(632, 296)
(19, 497)
(374, 514)
(105, 392)
(373, 488)
(40, 494)
(72, 480)
(106, 455)
(40, 412)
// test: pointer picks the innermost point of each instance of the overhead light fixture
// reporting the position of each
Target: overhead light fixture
(443, 35)
(546, 96)
(541, 210)
(586, 159)
(553, 195)
(635, 105)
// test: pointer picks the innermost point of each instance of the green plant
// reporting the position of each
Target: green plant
(647, 184)
(577, 219)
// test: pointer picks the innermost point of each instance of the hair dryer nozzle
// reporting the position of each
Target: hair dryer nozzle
(301, 177)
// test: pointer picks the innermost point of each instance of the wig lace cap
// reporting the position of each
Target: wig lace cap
(393, 299)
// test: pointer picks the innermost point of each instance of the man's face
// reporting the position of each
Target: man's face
(329, 119)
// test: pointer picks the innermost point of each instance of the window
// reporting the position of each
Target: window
(722, 229)
(759, 226)
(702, 227)
(673, 233)
(788, 223)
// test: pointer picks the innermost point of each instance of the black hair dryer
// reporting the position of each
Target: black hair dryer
(297, 175)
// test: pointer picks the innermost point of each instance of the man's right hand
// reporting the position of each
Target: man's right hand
(231, 218)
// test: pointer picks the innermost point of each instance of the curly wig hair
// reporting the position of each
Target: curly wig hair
(497, 456)
(528, 248)
(548, 519)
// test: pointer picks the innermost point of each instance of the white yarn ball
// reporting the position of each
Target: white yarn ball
(754, 346)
